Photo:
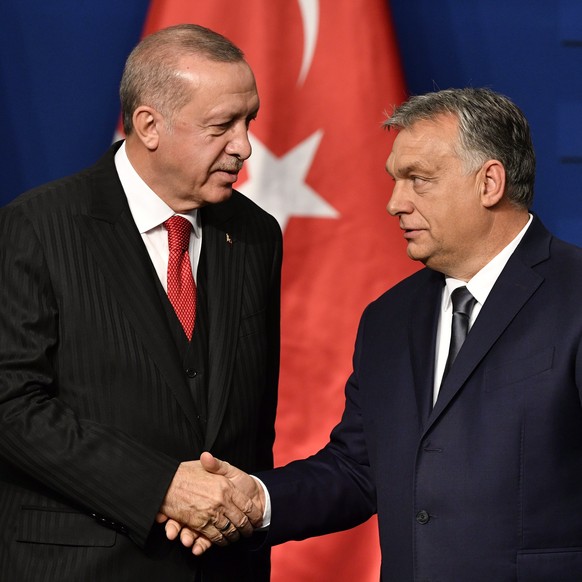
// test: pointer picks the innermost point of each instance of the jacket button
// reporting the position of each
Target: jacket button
(422, 517)
(191, 373)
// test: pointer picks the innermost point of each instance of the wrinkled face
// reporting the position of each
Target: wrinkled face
(200, 153)
(437, 201)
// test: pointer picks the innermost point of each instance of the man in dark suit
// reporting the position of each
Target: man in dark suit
(473, 463)
(119, 364)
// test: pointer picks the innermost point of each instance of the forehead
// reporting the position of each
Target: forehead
(196, 67)
(426, 143)
(217, 85)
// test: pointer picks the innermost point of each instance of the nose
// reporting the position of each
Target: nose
(239, 145)
(399, 202)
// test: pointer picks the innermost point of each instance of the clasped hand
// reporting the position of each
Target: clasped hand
(211, 502)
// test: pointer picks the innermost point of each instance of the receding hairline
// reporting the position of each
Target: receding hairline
(184, 39)
(152, 70)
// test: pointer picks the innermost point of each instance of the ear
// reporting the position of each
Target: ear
(493, 185)
(146, 121)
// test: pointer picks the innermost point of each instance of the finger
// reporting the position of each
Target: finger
(242, 523)
(201, 545)
(248, 510)
(172, 529)
(232, 535)
(161, 518)
(229, 531)
(187, 537)
(212, 464)
(224, 528)
(217, 538)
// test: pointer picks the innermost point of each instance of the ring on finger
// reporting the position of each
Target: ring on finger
(225, 527)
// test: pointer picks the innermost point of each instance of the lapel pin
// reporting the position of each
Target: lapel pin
(228, 239)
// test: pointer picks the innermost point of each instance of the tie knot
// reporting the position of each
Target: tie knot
(179, 229)
(463, 301)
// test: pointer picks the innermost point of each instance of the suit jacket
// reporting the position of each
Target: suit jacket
(96, 410)
(487, 485)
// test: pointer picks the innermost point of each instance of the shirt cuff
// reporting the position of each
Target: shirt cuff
(267, 511)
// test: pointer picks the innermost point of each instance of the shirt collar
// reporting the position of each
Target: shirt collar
(482, 282)
(147, 208)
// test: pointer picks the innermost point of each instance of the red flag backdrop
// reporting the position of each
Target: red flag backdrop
(326, 71)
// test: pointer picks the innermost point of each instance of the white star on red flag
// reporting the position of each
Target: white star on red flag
(279, 184)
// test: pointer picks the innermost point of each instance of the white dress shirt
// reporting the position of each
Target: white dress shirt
(480, 286)
(149, 212)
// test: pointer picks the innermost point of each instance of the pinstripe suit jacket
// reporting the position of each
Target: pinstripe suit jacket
(95, 408)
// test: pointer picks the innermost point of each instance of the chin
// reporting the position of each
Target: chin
(419, 258)
(225, 195)
(413, 253)
(217, 196)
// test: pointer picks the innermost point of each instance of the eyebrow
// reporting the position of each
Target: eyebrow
(224, 117)
(411, 168)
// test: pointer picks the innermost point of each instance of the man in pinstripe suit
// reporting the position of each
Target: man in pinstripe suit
(104, 400)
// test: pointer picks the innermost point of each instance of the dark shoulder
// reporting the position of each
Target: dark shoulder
(70, 193)
(406, 291)
(242, 215)
(246, 206)
(565, 251)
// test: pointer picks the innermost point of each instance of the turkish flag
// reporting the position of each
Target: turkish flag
(327, 71)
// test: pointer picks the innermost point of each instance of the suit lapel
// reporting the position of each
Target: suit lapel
(224, 248)
(113, 238)
(514, 287)
(425, 317)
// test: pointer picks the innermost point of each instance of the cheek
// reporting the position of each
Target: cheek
(448, 225)
(209, 156)
(465, 227)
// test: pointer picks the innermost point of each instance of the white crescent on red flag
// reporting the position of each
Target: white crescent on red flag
(327, 71)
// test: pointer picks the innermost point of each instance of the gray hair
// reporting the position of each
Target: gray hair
(150, 75)
(491, 127)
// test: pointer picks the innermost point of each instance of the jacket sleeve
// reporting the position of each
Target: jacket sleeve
(90, 465)
(330, 491)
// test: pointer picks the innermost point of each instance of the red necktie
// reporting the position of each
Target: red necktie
(181, 286)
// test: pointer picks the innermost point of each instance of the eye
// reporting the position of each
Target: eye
(221, 128)
(419, 181)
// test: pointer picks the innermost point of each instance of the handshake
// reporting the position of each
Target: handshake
(211, 502)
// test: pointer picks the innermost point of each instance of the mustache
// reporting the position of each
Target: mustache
(233, 165)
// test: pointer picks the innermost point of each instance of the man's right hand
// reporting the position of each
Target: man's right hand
(241, 480)
(246, 491)
(206, 502)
